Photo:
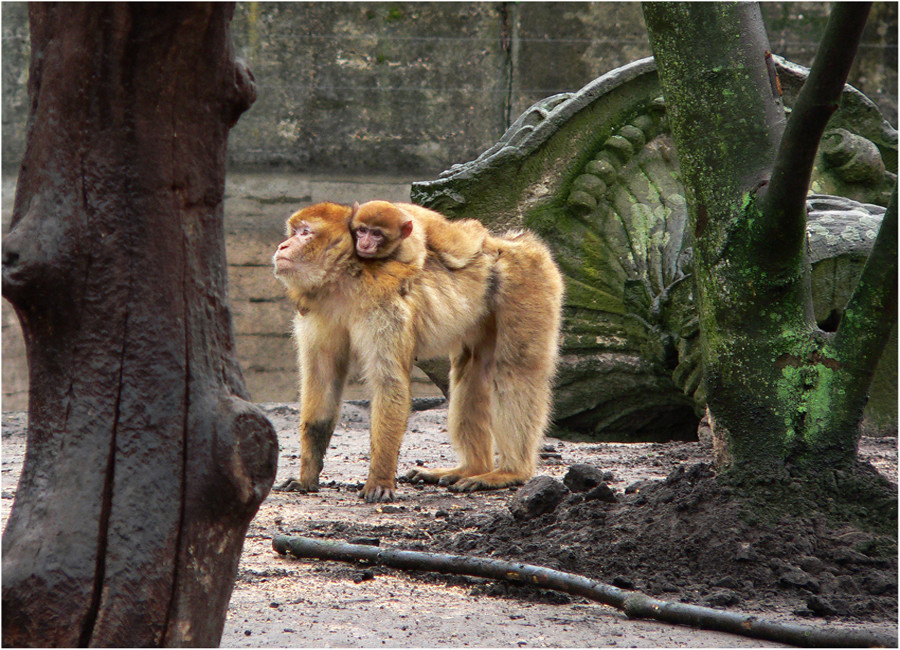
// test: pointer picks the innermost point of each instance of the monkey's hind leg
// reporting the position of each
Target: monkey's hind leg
(520, 411)
(469, 413)
(527, 317)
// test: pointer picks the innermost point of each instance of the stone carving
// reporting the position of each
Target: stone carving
(596, 174)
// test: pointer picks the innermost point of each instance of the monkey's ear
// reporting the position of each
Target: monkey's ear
(353, 211)
(406, 229)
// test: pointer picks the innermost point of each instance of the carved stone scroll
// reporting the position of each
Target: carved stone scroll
(595, 173)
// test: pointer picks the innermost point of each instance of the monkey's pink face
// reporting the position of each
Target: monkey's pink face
(290, 253)
(368, 241)
(318, 241)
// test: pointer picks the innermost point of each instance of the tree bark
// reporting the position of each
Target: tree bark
(857, 345)
(145, 462)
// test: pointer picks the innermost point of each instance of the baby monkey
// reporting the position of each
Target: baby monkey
(405, 232)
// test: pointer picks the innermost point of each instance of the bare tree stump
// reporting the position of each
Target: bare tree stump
(145, 462)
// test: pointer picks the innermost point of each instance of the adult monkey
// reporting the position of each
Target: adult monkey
(497, 318)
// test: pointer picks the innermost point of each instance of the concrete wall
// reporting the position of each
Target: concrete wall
(356, 100)
(411, 88)
(416, 87)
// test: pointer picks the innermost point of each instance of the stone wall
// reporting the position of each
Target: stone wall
(411, 88)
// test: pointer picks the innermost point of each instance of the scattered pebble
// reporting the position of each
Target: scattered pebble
(363, 576)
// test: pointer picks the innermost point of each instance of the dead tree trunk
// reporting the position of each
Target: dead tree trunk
(145, 462)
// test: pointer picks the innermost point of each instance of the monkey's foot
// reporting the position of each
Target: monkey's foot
(374, 493)
(298, 485)
(445, 476)
(491, 481)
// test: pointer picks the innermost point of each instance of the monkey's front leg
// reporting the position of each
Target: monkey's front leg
(314, 439)
(390, 412)
(324, 361)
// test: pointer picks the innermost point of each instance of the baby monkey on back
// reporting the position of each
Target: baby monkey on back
(405, 232)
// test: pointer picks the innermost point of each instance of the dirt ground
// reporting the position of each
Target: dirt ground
(667, 530)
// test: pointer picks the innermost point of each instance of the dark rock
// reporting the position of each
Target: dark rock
(666, 586)
(799, 578)
(847, 585)
(549, 451)
(821, 606)
(582, 477)
(601, 493)
(722, 598)
(638, 486)
(567, 557)
(728, 582)
(745, 553)
(878, 584)
(622, 582)
(540, 495)
(811, 564)
(362, 576)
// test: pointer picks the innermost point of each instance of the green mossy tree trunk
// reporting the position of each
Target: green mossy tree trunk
(780, 390)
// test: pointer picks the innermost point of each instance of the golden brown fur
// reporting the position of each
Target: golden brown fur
(497, 317)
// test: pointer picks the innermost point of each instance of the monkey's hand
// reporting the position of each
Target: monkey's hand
(374, 493)
(298, 485)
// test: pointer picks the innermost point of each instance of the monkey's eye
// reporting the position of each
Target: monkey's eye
(302, 229)
(362, 230)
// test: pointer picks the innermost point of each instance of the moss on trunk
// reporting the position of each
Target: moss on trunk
(780, 391)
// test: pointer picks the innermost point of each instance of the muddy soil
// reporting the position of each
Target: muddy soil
(664, 527)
